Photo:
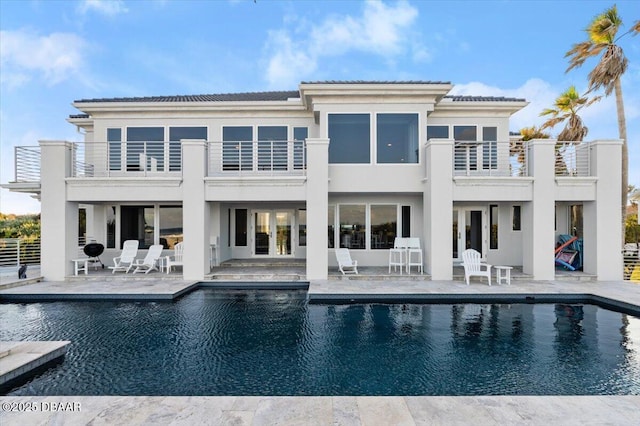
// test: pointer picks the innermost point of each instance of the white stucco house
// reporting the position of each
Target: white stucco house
(333, 164)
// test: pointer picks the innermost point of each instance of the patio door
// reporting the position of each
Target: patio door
(273, 233)
(469, 231)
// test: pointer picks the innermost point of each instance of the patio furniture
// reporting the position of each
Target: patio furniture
(80, 265)
(473, 266)
(503, 273)
(414, 251)
(148, 264)
(345, 263)
(398, 254)
(176, 259)
(124, 262)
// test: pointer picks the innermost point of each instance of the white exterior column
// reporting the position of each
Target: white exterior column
(438, 208)
(195, 210)
(602, 217)
(317, 208)
(538, 236)
(59, 218)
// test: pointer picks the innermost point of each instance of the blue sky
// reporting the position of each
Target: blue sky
(53, 52)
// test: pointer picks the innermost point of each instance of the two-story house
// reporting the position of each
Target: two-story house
(332, 164)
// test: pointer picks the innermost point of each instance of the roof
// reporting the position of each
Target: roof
(375, 82)
(469, 98)
(225, 97)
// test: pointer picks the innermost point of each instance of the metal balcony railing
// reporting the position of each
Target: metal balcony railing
(242, 158)
(489, 158)
(27, 163)
(139, 158)
(573, 159)
(19, 251)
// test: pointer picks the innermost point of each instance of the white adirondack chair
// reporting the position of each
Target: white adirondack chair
(473, 266)
(150, 261)
(124, 262)
(176, 259)
(345, 264)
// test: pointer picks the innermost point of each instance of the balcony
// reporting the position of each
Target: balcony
(492, 158)
(257, 158)
(573, 159)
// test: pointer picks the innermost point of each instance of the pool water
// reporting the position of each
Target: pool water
(214, 342)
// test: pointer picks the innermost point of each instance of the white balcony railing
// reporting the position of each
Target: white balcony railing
(244, 158)
(573, 159)
(139, 158)
(493, 158)
(27, 164)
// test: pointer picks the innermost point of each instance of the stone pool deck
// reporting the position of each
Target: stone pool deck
(18, 358)
(338, 410)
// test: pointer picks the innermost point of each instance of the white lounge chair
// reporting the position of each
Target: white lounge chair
(150, 261)
(124, 262)
(176, 259)
(398, 254)
(473, 266)
(414, 254)
(345, 264)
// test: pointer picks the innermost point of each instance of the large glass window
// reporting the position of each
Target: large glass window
(575, 220)
(352, 226)
(145, 148)
(516, 218)
(397, 138)
(437, 132)
(331, 228)
(170, 226)
(300, 134)
(137, 223)
(490, 148)
(111, 226)
(384, 225)
(272, 148)
(493, 219)
(237, 148)
(302, 228)
(241, 227)
(176, 134)
(466, 148)
(114, 139)
(349, 136)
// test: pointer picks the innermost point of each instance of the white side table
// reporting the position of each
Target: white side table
(503, 273)
(80, 265)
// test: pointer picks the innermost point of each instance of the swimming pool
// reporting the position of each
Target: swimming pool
(214, 342)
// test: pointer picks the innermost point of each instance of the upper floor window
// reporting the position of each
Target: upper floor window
(114, 139)
(465, 154)
(490, 148)
(437, 132)
(349, 136)
(176, 134)
(272, 147)
(397, 138)
(145, 148)
(237, 148)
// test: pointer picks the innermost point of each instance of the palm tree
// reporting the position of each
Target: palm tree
(602, 31)
(567, 106)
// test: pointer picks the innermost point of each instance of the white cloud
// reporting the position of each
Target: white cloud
(54, 57)
(381, 29)
(105, 7)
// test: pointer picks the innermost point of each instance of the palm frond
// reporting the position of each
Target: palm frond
(580, 52)
(610, 68)
(635, 30)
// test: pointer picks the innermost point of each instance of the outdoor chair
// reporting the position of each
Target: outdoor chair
(473, 266)
(345, 264)
(124, 262)
(149, 263)
(176, 259)
(414, 254)
(398, 254)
